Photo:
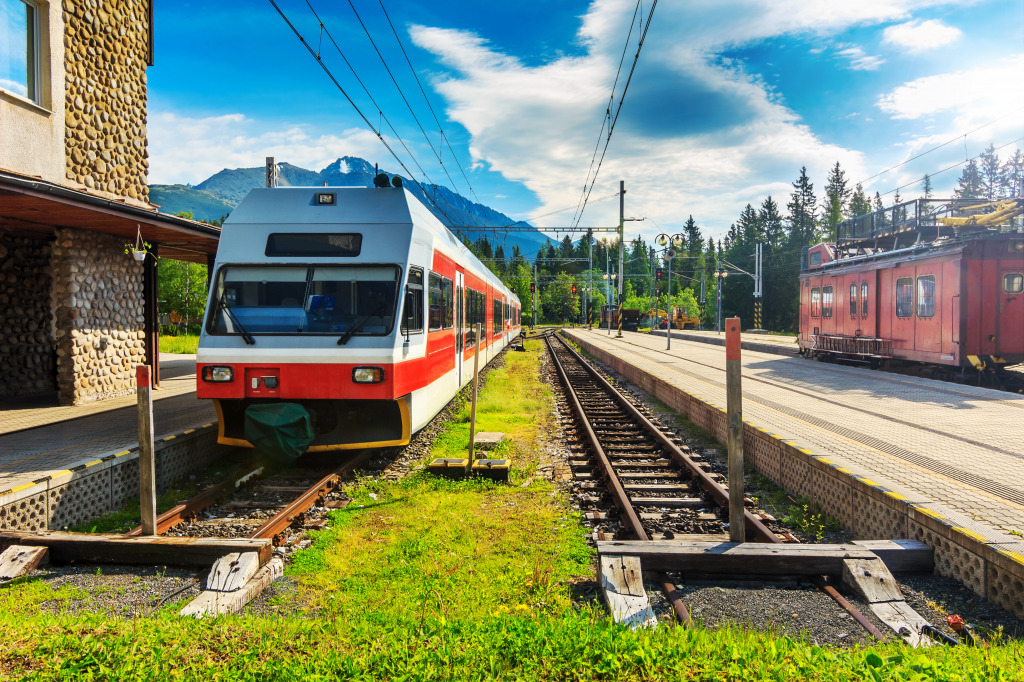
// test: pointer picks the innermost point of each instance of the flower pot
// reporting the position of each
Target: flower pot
(139, 255)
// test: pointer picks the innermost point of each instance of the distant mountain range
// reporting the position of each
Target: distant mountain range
(218, 195)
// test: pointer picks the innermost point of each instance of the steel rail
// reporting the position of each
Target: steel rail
(615, 485)
(189, 508)
(719, 494)
(275, 525)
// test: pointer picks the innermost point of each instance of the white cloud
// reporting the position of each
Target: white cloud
(981, 94)
(860, 60)
(918, 36)
(185, 149)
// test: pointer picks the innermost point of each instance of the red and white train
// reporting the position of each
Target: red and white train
(906, 286)
(353, 302)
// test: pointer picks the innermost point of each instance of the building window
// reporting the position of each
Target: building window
(926, 296)
(19, 48)
(864, 299)
(826, 302)
(815, 302)
(853, 300)
(904, 297)
(1013, 283)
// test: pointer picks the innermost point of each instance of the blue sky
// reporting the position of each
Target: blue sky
(729, 98)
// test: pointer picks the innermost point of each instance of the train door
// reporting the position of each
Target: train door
(1010, 312)
(927, 311)
(459, 323)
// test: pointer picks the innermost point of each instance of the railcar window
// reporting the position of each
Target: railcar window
(495, 317)
(815, 259)
(826, 301)
(815, 302)
(853, 300)
(447, 297)
(904, 297)
(926, 296)
(299, 244)
(864, 299)
(1013, 283)
(308, 299)
(435, 314)
(412, 319)
(473, 317)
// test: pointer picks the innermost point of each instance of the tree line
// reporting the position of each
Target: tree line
(783, 231)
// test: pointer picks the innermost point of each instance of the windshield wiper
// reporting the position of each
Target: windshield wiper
(359, 324)
(246, 336)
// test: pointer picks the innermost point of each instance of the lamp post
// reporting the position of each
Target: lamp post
(720, 275)
(670, 253)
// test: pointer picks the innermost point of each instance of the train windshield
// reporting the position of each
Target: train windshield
(314, 299)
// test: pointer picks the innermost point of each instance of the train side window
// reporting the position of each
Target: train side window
(864, 299)
(434, 310)
(495, 317)
(904, 297)
(448, 301)
(1013, 283)
(926, 296)
(412, 320)
(826, 301)
(815, 302)
(853, 300)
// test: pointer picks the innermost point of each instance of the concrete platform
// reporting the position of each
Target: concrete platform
(890, 456)
(61, 465)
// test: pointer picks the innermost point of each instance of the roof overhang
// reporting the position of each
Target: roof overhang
(35, 208)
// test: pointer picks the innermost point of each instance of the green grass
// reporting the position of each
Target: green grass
(427, 578)
(179, 344)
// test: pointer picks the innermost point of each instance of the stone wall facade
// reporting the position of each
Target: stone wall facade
(97, 316)
(105, 59)
(26, 358)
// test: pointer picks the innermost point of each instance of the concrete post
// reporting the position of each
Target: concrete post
(734, 407)
(147, 455)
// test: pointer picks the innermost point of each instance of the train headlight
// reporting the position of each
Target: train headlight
(367, 375)
(217, 374)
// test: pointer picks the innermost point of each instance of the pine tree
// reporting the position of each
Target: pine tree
(694, 241)
(1013, 175)
(802, 207)
(970, 185)
(771, 223)
(991, 173)
(882, 219)
(859, 203)
(837, 195)
(926, 186)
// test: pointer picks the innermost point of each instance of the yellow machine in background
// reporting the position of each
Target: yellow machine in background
(679, 321)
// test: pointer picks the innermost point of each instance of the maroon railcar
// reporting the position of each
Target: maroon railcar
(955, 302)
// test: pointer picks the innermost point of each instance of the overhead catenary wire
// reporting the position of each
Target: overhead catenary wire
(359, 111)
(948, 168)
(427, 100)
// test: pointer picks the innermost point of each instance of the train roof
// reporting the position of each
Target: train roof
(296, 206)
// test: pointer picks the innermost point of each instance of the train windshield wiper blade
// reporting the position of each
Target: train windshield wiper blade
(359, 324)
(246, 336)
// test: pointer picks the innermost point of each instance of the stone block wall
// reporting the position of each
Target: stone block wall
(98, 316)
(26, 355)
(106, 49)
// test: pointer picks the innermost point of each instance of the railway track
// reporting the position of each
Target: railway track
(640, 483)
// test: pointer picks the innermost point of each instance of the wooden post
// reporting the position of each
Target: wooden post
(472, 412)
(147, 456)
(734, 406)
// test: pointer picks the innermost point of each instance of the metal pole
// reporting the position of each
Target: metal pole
(472, 412)
(622, 240)
(147, 456)
(590, 270)
(718, 296)
(734, 407)
(668, 308)
(535, 283)
(607, 289)
(702, 299)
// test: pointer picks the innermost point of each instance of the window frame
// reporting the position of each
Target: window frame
(435, 304)
(853, 300)
(412, 288)
(826, 302)
(927, 311)
(907, 304)
(864, 290)
(33, 70)
(1020, 282)
(816, 302)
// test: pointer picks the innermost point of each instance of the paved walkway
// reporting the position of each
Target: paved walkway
(958, 450)
(37, 440)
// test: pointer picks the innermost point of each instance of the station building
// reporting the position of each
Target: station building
(77, 313)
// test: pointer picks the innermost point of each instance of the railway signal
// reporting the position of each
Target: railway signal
(573, 289)
(533, 288)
